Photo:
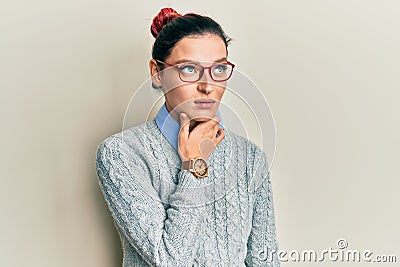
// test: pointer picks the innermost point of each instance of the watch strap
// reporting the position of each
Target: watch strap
(186, 164)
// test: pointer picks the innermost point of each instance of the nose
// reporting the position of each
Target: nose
(204, 84)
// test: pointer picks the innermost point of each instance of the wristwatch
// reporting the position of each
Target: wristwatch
(197, 166)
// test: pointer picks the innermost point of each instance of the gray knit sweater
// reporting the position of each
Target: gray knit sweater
(167, 217)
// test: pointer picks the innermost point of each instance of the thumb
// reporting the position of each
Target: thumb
(184, 120)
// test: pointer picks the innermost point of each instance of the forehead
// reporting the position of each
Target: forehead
(207, 48)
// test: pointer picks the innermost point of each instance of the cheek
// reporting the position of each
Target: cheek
(170, 82)
(219, 92)
(180, 96)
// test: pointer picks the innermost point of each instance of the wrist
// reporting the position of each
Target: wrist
(195, 156)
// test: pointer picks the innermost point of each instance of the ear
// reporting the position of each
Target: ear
(155, 73)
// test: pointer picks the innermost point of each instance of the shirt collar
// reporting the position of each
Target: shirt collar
(170, 127)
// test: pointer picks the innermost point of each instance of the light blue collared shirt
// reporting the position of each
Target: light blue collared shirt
(170, 127)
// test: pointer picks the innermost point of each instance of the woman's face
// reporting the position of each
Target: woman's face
(187, 97)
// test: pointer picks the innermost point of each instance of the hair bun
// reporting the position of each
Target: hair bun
(163, 17)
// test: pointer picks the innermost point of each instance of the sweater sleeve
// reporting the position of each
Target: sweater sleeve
(162, 237)
(262, 245)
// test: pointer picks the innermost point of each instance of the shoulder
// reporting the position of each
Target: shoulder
(128, 141)
(133, 135)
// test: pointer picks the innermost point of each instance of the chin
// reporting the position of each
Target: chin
(203, 115)
(201, 119)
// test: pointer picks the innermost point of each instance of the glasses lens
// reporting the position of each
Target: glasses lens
(189, 72)
(221, 72)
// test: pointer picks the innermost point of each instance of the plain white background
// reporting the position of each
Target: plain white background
(329, 69)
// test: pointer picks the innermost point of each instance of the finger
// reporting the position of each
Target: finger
(207, 146)
(209, 125)
(213, 128)
(221, 136)
(216, 119)
(184, 121)
(216, 125)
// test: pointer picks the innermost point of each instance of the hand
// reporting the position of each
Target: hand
(201, 141)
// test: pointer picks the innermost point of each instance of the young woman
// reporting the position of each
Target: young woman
(184, 191)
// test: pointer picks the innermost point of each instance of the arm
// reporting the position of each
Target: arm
(262, 244)
(162, 237)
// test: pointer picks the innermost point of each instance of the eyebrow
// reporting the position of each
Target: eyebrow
(188, 60)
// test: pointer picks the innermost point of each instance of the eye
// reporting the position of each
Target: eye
(220, 68)
(187, 69)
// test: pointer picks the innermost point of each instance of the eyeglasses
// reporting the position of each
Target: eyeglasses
(193, 71)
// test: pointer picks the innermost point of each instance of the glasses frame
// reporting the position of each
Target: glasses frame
(202, 70)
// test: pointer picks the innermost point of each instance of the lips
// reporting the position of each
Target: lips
(199, 101)
(205, 103)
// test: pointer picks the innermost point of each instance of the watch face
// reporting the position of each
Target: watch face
(200, 167)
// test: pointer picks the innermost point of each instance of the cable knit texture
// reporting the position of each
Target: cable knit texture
(167, 217)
